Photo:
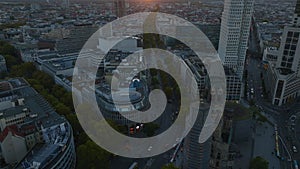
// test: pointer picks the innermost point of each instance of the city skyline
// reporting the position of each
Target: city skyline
(42, 41)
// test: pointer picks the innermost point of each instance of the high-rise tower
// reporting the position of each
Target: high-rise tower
(120, 8)
(235, 30)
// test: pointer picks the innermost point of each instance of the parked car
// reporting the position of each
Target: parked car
(295, 149)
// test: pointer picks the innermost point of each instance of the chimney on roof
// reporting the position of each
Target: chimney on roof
(21, 102)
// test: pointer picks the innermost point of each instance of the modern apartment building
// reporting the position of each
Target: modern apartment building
(235, 30)
(284, 73)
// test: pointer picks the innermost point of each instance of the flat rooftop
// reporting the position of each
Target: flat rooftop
(56, 131)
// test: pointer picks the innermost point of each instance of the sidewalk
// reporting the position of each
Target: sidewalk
(264, 144)
(243, 139)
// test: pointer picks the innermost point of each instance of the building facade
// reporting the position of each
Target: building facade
(32, 134)
(3, 67)
(235, 30)
(120, 8)
(13, 145)
(222, 155)
(284, 73)
(197, 155)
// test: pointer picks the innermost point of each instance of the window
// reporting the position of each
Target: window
(284, 58)
(219, 156)
(287, 46)
(295, 40)
(279, 88)
(290, 34)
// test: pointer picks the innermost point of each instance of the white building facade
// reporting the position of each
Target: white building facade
(235, 30)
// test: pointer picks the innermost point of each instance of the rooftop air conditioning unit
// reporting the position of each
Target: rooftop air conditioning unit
(21, 102)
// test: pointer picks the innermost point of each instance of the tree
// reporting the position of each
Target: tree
(45, 79)
(252, 102)
(259, 163)
(239, 111)
(8, 49)
(67, 100)
(155, 81)
(164, 79)
(62, 109)
(153, 72)
(58, 91)
(150, 128)
(169, 92)
(91, 156)
(10, 61)
(169, 166)
(120, 128)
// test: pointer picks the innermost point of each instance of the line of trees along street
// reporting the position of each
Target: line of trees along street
(89, 154)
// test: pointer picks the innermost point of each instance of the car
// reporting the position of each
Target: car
(293, 118)
(295, 149)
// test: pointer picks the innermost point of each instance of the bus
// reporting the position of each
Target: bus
(296, 164)
(134, 166)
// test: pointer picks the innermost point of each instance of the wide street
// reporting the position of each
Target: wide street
(155, 162)
(289, 132)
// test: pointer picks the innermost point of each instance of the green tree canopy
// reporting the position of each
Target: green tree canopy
(62, 109)
(259, 163)
(45, 79)
(8, 49)
(169, 92)
(153, 72)
(58, 91)
(23, 70)
(10, 61)
(155, 81)
(150, 128)
(90, 155)
(169, 166)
